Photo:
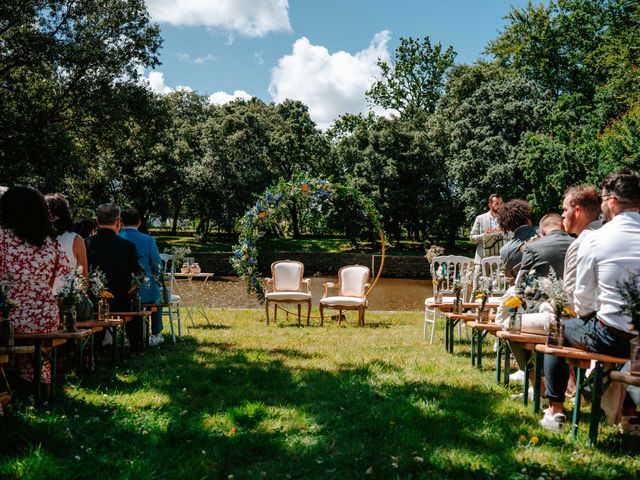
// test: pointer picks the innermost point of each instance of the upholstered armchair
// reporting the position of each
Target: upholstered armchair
(286, 285)
(352, 292)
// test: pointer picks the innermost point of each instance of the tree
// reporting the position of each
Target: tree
(415, 80)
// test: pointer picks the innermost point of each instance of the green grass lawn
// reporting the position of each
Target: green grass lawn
(241, 400)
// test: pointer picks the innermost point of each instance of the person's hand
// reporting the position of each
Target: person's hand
(492, 230)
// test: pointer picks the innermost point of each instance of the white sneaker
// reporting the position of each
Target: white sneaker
(553, 422)
(518, 396)
(517, 377)
(156, 339)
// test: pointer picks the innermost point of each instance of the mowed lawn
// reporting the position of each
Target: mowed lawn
(239, 400)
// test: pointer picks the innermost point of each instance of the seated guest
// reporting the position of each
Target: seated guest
(604, 257)
(30, 260)
(515, 217)
(118, 259)
(548, 251)
(149, 258)
(85, 228)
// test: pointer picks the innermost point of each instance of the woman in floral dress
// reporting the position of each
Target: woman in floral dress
(30, 260)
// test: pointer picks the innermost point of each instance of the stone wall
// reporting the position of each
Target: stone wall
(323, 264)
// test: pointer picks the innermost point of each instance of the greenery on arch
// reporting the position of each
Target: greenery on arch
(271, 213)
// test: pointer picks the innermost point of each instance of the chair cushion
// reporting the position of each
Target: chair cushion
(342, 301)
(288, 296)
(430, 300)
(352, 280)
(287, 276)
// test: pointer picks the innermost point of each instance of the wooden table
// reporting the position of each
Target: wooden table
(97, 326)
(528, 341)
(480, 331)
(581, 360)
(42, 342)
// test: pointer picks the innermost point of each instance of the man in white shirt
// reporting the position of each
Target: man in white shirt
(486, 232)
(605, 256)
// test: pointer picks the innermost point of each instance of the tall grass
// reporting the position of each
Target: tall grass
(237, 399)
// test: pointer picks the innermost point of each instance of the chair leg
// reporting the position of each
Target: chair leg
(179, 326)
(339, 317)
(299, 313)
(266, 310)
(275, 312)
(321, 314)
(361, 316)
(308, 311)
(173, 333)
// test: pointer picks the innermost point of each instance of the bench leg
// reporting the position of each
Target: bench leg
(537, 374)
(480, 340)
(499, 362)
(595, 406)
(576, 407)
(525, 381)
(473, 348)
(37, 372)
(507, 362)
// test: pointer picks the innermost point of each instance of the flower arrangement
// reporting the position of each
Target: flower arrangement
(269, 212)
(458, 287)
(484, 287)
(438, 280)
(98, 284)
(72, 290)
(433, 251)
(6, 304)
(552, 288)
(138, 281)
(630, 292)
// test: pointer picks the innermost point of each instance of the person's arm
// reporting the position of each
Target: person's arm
(80, 252)
(585, 295)
(476, 231)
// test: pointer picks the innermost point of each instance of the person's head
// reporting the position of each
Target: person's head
(514, 214)
(620, 192)
(494, 203)
(130, 217)
(86, 228)
(108, 216)
(580, 206)
(550, 222)
(60, 213)
(24, 210)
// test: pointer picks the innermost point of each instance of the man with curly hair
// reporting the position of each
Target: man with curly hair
(515, 217)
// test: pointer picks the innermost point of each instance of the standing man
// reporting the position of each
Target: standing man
(118, 259)
(149, 258)
(605, 256)
(486, 232)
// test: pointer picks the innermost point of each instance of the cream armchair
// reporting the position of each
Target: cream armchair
(352, 290)
(287, 286)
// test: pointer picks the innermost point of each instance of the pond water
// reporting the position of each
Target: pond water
(390, 294)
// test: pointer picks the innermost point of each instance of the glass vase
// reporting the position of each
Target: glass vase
(483, 315)
(69, 319)
(515, 322)
(136, 304)
(103, 309)
(555, 337)
(6, 333)
(437, 297)
(457, 305)
(634, 369)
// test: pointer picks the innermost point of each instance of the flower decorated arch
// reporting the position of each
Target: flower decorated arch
(271, 210)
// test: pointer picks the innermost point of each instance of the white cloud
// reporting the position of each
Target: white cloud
(201, 60)
(156, 82)
(331, 84)
(220, 98)
(257, 56)
(253, 18)
(184, 57)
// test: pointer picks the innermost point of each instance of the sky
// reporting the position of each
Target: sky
(321, 52)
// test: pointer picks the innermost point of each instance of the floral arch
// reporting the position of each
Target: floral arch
(269, 210)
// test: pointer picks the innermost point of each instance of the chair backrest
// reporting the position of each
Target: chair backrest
(455, 267)
(287, 275)
(168, 262)
(353, 279)
(492, 267)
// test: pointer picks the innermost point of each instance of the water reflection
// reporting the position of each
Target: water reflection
(229, 292)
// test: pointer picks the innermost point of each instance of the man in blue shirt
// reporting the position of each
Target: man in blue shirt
(149, 258)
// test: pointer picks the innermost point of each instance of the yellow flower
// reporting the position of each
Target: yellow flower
(262, 214)
(479, 295)
(534, 440)
(568, 312)
(106, 294)
(304, 187)
(513, 302)
(435, 282)
(523, 438)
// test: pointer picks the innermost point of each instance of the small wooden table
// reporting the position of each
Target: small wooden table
(42, 342)
(581, 360)
(204, 276)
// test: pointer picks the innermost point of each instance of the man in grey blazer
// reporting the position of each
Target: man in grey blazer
(486, 232)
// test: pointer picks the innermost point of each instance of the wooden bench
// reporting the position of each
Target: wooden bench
(528, 341)
(581, 360)
(452, 319)
(45, 345)
(480, 331)
(130, 317)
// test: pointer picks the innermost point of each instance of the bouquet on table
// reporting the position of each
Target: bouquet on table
(553, 289)
(138, 281)
(484, 287)
(458, 287)
(630, 291)
(99, 290)
(440, 276)
(69, 294)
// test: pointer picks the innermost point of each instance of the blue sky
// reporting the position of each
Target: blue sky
(322, 52)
